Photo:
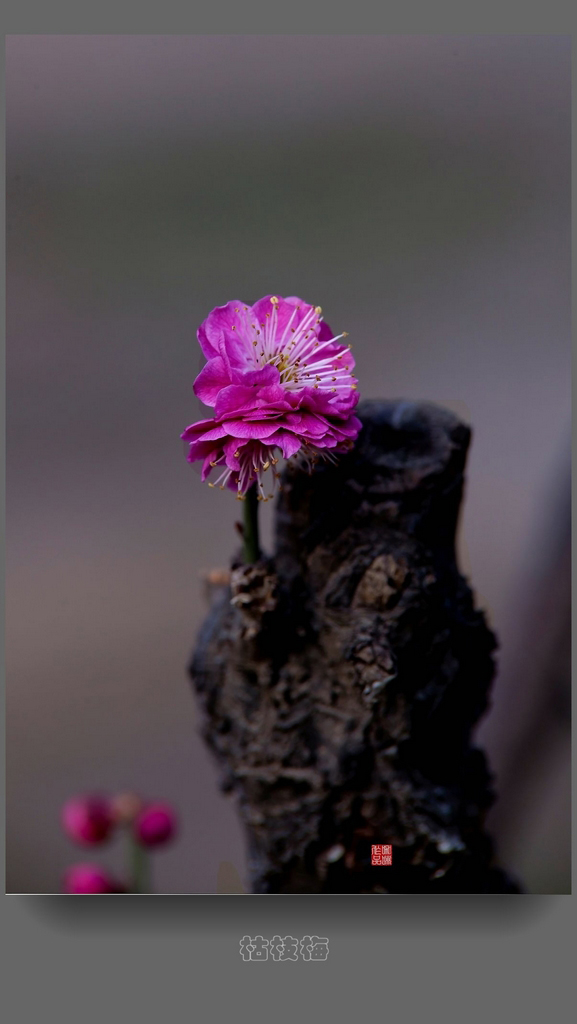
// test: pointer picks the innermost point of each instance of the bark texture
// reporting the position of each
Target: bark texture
(341, 679)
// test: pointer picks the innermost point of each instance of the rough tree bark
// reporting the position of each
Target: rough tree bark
(342, 678)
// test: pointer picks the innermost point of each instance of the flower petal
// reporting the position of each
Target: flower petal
(218, 431)
(266, 376)
(196, 429)
(244, 428)
(202, 450)
(274, 396)
(233, 400)
(211, 380)
(226, 332)
(288, 443)
(232, 451)
(325, 332)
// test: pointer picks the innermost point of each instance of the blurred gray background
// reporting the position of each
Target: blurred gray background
(417, 187)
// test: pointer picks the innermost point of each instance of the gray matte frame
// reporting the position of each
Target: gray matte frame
(464, 957)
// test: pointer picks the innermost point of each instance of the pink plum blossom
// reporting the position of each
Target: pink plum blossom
(280, 383)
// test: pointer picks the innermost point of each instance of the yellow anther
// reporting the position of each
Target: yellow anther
(209, 484)
(318, 309)
(274, 300)
(266, 465)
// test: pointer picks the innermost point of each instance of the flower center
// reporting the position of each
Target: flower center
(301, 359)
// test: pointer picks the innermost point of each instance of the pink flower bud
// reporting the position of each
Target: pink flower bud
(155, 825)
(87, 820)
(90, 878)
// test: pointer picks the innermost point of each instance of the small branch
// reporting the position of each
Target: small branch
(139, 865)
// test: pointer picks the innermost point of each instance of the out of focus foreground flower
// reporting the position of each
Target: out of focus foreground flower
(87, 820)
(155, 825)
(90, 879)
(90, 820)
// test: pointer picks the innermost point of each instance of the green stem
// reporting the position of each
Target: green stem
(139, 867)
(251, 550)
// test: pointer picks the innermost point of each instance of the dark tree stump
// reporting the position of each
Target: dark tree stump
(341, 679)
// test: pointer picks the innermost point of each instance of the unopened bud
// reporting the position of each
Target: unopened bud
(125, 807)
(155, 825)
(88, 820)
(90, 879)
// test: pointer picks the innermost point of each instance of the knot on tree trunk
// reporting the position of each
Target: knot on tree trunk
(341, 679)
